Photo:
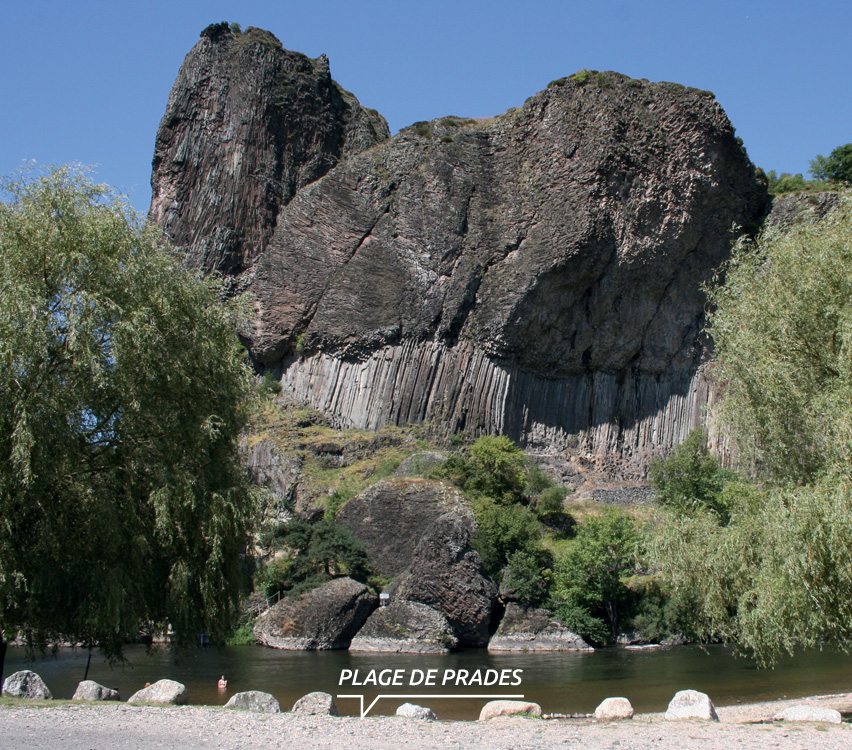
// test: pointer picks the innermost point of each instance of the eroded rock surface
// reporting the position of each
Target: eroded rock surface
(326, 617)
(533, 629)
(391, 516)
(247, 124)
(446, 573)
(537, 274)
(405, 627)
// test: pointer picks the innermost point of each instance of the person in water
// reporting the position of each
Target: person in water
(223, 683)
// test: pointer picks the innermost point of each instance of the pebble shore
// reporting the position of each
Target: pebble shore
(125, 727)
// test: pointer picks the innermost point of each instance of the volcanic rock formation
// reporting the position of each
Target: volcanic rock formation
(537, 274)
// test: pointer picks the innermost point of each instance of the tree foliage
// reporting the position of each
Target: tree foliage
(692, 478)
(589, 593)
(779, 574)
(123, 391)
(836, 167)
(782, 328)
(314, 553)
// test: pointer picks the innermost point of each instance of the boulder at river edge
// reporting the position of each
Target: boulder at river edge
(446, 573)
(413, 711)
(254, 700)
(166, 692)
(690, 704)
(614, 708)
(316, 704)
(405, 627)
(531, 629)
(89, 690)
(26, 684)
(508, 708)
(809, 713)
(325, 618)
(393, 515)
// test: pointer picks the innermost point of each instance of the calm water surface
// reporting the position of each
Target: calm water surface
(560, 682)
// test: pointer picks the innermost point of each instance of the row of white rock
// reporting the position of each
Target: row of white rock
(687, 704)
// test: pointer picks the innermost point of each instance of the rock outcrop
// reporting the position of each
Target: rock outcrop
(537, 274)
(324, 618)
(247, 124)
(446, 573)
(391, 516)
(405, 627)
(532, 629)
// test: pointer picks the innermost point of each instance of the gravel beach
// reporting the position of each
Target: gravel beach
(124, 727)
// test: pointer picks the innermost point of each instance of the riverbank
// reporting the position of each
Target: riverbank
(124, 727)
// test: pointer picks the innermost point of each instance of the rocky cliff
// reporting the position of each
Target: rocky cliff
(247, 125)
(537, 274)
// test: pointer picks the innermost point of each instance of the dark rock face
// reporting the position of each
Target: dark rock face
(405, 627)
(537, 274)
(247, 124)
(446, 573)
(325, 618)
(393, 515)
(531, 629)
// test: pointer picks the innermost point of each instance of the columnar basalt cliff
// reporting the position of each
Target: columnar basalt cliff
(537, 274)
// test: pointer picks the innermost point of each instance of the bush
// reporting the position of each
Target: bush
(692, 479)
(588, 592)
(501, 531)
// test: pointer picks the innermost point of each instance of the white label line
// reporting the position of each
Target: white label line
(421, 695)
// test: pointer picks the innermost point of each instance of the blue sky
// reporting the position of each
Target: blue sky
(88, 81)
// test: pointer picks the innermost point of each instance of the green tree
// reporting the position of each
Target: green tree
(691, 478)
(778, 575)
(123, 392)
(495, 467)
(502, 530)
(315, 553)
(782, 330)
(836, 167)
(588, 592)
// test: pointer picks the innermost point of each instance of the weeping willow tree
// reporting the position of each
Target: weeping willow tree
(123, 390)
(777, 572)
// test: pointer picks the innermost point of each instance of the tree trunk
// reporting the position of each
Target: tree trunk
(3, 646)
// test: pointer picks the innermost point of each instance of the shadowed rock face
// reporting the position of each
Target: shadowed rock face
(247, 124)
(537, 274)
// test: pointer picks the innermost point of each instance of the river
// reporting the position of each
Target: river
(559, 682)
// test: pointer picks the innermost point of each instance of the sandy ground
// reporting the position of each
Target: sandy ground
(120, 726)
